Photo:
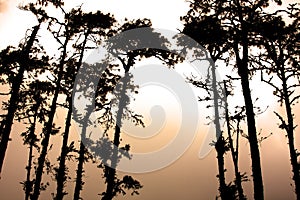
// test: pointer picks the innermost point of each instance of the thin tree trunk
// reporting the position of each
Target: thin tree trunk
(243, 71)
(79, 183)
(220, 141)
(28, 184)
(234, 153)
(252, 136)
(80, 171)
(48, 125)
(14, 98)
(110, 172)
(61, 174)
(290, 134)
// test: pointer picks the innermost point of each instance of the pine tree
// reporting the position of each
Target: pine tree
(21, 63)
(279, 58)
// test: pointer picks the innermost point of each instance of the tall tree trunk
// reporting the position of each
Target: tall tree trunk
(80, 171)
(220, 140)
(252, 135)
(48, 125)
(14, 98)
(110, 172)
(290, 134)
(243, 71)
(28, 183)
(234, 152)
(61, 174)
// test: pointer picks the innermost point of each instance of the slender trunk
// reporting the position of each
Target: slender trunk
(252, 136)
(220, 140)
(234, 153)
(61, 174)
(14, 98)
(290, 134)
(2, 125)
(48, 125)
(79, 172)
(243, 71)
(110, 172)
(28, 184)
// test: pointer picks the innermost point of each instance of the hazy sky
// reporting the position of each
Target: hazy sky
(188, 178)
(3, 6)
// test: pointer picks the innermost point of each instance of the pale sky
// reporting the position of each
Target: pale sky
(162, 14)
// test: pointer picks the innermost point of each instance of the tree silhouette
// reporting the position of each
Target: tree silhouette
(32, 107)
(114, 185)
(208, 32)
(279, 60)
(239, 178)
(92, 24)
(105, 87)
(233, 23)
(49, 128)
(212, 88)
(20, 61)
(105, 149)
(61, 171)
(240, 34)
(86, 24)
(23, 61)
